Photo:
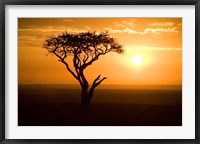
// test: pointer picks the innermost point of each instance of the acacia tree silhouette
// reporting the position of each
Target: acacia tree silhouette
(85, 48)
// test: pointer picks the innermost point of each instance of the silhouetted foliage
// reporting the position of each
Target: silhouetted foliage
(85, 48)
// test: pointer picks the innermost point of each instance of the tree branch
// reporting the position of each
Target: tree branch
(96, 82)
(67, 66)
(85, 82)
(96, 57)
(76, 63)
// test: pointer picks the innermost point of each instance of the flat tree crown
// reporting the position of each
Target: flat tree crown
(85, 47)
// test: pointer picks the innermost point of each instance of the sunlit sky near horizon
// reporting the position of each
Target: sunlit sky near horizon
(158, 41)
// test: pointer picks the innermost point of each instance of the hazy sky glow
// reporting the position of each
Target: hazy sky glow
(157, 40)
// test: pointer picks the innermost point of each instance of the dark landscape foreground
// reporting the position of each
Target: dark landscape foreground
(59, 106)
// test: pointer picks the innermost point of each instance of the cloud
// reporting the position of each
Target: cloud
(27, 37)
(159, 30)
(180, 24)
(68, 20)
(88, 28)
(126, 30)
(125, 24)
(145, 31)
(153, 48)
(161, 49)
(55, 29)
(30, 41)
(34, 36)
(162, 24)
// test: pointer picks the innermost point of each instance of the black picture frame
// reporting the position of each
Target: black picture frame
(3, 3)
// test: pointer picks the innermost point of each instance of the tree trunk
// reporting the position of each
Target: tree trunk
(85, 103)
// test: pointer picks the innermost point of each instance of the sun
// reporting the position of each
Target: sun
(136, 60)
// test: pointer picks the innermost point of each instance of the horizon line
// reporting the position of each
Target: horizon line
(78, 84)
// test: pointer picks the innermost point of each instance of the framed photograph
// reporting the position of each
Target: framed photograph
(99, 72)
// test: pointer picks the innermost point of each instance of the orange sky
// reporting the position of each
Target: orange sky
(157, 40)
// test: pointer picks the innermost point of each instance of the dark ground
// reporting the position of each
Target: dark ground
(110, 107)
